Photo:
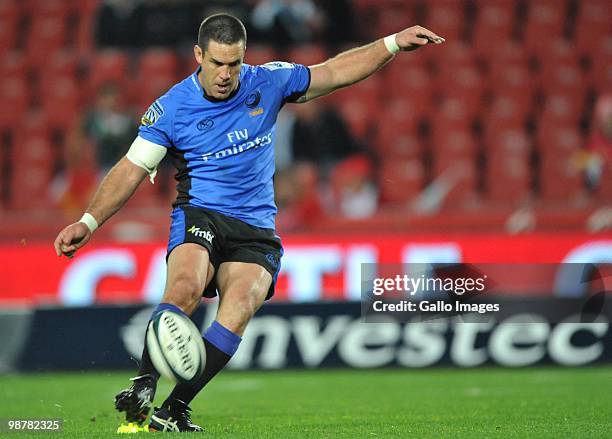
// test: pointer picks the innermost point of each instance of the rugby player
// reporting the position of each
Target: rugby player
(218, 124)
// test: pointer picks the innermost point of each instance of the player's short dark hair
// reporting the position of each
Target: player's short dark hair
(222, 28)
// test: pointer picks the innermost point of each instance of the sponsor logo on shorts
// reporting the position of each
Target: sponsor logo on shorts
(207, 235)
(272, 260)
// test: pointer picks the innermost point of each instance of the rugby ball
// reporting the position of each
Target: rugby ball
(176, 347)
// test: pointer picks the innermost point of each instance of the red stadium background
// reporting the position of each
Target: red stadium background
(495, 147)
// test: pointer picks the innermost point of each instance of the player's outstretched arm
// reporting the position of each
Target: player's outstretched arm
(116, 188)
(354, 65)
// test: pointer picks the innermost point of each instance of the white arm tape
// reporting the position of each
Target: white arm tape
(146, 155)
(89, 221)
(391, 44)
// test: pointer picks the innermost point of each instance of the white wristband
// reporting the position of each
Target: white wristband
(89, 221)
(391, 44)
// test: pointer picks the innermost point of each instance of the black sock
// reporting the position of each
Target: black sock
(146, 365)
(215, 361)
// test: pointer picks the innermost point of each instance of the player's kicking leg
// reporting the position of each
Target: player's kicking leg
(183, 293)
(243, 288)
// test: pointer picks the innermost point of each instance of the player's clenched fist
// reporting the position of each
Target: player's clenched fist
(415, 37)
(71, 239)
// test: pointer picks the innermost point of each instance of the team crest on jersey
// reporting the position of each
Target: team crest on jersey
(205, 124)
(253, 99)
(155, 111)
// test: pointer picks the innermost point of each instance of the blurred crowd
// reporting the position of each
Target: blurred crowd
(139, 23)
(513, 112)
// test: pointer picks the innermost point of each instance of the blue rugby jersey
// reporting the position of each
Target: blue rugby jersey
(225, 149)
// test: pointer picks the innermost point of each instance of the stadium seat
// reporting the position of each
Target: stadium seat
(400, 181)
(454, 112)
(562, 139)
(8, 34)
(448, 70)
(508, 53)
(398, 115)
(390, 20)
(108, 66)
(508, 142)
(157, 62)
(9, 10)
(34, 123)
(563, 51)
(457, 177)
(560, 179)
(15, 95)
(307, 54)
(562, 77)
(514, 79)
(30, 186)
(145, 92)
(47, 35)
(87, 7)
(186, 65)
(507, 178)
(260, 54)
(600, 73)
(397, 142)
(415, 85)
(522, 100)
(592, 23)
(506, 115)
(397, 127)
(562, 110)
(369, 87)
(14, 65)
(157, 72)
(49, 8)
(545, 22)
(452, 55)
(63, 63)
(30, 148)
(454, 143)
(32, 161)
(510, 109)
(356, 168)
(147, 195)
(360, 105)
(4, 182)
(60, 101)
(446, 18)
(466, 84)
(494, 25)
(84, 33)
(357, 112)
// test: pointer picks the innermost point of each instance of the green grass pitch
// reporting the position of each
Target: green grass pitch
(484, 402)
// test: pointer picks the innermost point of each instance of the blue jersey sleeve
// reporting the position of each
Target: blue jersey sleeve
(156, 125)
(293, 79)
